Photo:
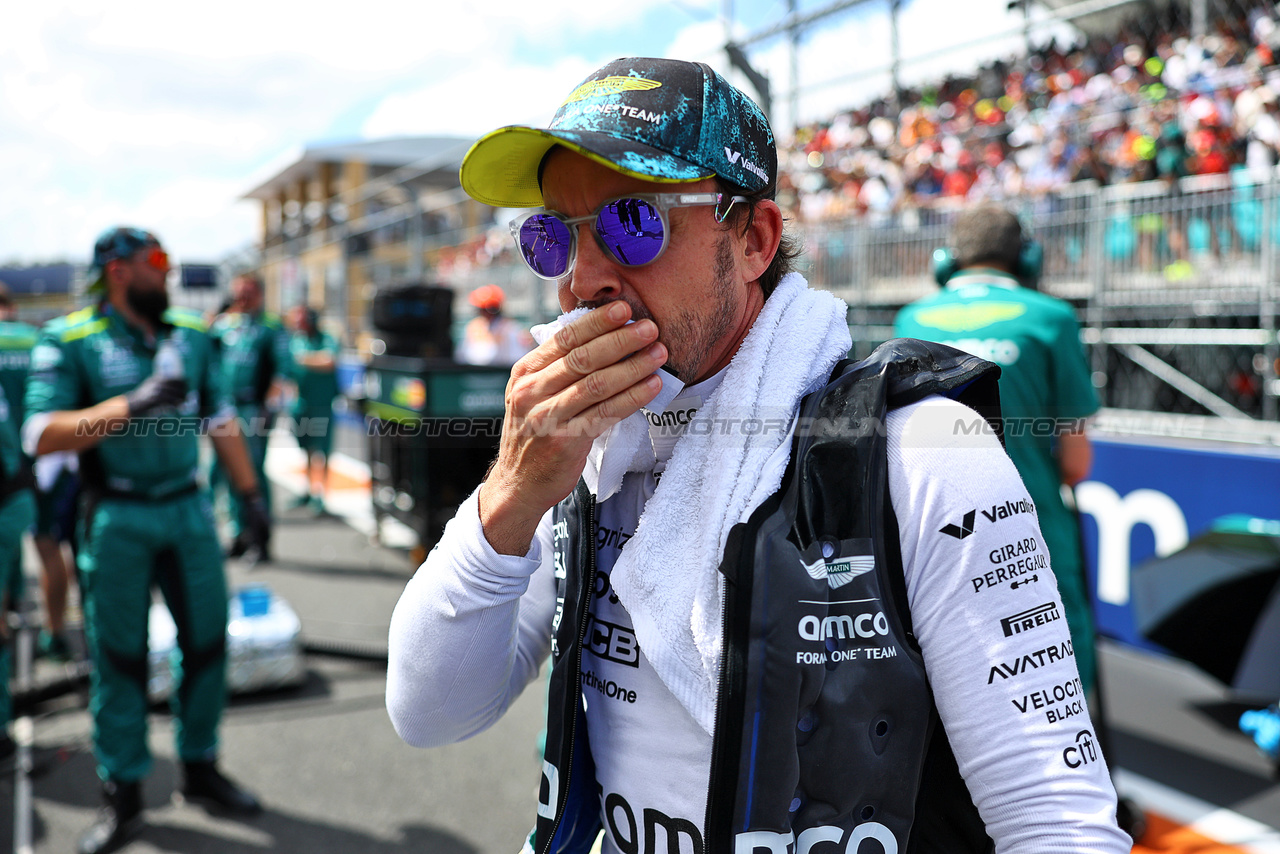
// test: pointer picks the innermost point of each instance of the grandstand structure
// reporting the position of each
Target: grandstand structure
(1137, 139)
(1142, 153)
(340, 221)
(1192, 337)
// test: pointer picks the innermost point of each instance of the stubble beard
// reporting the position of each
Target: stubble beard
(689, 336)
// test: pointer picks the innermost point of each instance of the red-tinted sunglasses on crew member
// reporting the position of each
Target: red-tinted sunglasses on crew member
(156, 257)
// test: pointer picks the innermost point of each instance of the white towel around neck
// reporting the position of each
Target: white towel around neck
(729, 461)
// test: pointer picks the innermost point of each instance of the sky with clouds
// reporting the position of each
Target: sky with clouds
(163, 114)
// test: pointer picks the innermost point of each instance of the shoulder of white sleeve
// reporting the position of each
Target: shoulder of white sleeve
(944, 461)
(939, 424)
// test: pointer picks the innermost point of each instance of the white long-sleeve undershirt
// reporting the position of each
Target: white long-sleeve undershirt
(473, 627)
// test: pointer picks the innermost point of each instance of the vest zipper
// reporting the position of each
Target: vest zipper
(721, 687)
(583, 622)
(728, 689)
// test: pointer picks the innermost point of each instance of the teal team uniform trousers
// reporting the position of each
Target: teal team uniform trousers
(17, 515)
(255, 425)
(313, 427)
(129, 546)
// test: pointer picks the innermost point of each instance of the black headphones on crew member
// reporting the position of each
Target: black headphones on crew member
(1027, 270)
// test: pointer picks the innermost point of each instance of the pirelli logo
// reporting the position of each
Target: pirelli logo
(1030, 619)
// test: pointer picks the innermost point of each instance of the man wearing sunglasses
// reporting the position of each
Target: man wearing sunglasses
(791, 603)
(130, 384)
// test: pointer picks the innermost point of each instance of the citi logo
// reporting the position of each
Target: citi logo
(1083, 752)
(964, 529)
(734, 156)
(840, 572)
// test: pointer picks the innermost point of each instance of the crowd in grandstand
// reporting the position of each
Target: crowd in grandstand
(1150, 103)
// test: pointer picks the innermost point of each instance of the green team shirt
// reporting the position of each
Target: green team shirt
(16, 341)
(253, 349)
(1035, 339)
(316, 389)
(11, 456)
(92, 355)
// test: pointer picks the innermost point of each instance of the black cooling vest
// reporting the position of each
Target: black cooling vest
(826, 732)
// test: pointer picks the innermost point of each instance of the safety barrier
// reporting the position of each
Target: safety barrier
(1174, 282)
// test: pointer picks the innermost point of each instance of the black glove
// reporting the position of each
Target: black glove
(255, 524)
(156, 393)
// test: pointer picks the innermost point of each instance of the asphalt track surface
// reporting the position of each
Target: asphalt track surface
(334, 777)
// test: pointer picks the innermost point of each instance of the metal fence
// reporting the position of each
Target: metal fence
(1175, 284)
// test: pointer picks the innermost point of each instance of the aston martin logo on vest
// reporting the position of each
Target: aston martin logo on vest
(840, 571)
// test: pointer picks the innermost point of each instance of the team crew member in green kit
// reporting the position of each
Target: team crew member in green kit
(314, 356)
(130, 384)
(17, 513)
(55, 497)
(16, 340)
(253, 351)
(1045, 388)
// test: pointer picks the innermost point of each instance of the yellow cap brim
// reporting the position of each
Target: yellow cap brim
(501, 169)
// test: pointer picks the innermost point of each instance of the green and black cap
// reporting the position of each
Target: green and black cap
(656, 119)
(120, 241)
